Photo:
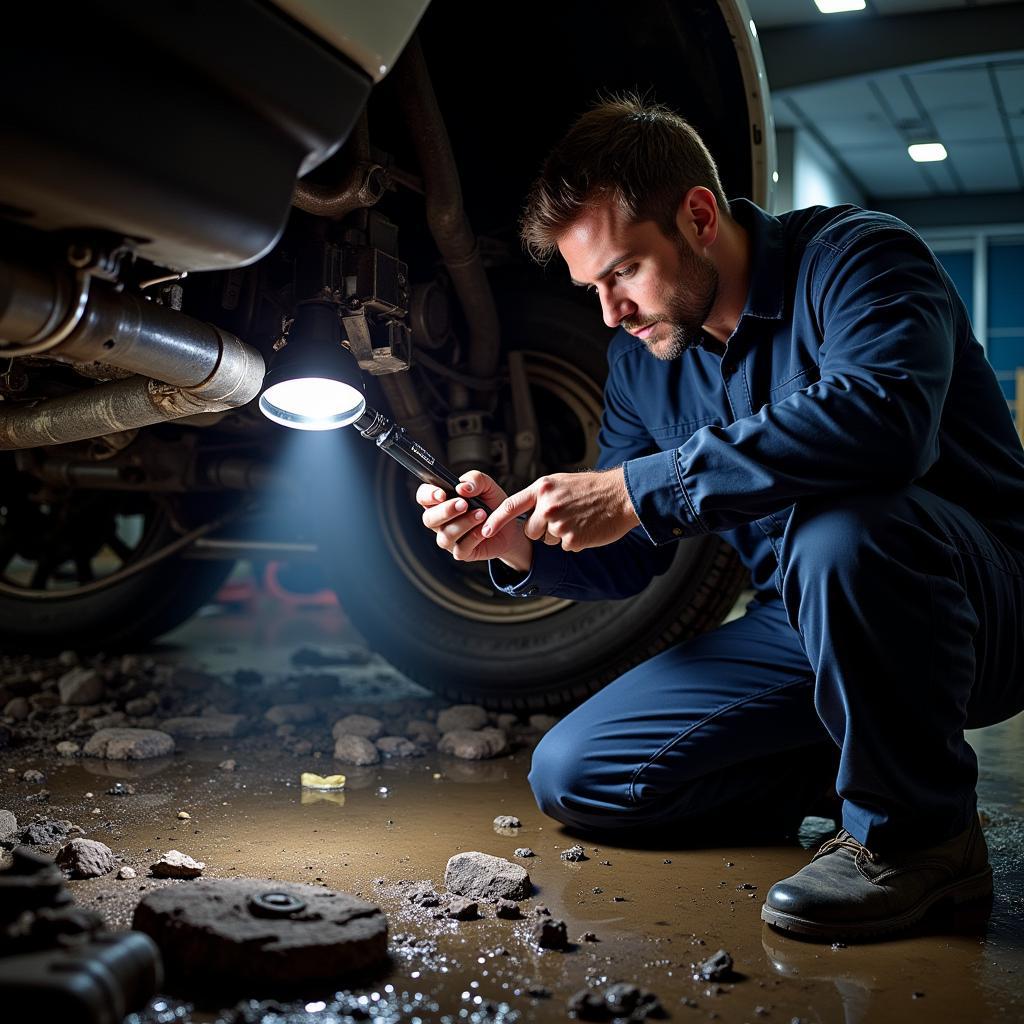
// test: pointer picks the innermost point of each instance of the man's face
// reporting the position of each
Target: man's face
(657, 288)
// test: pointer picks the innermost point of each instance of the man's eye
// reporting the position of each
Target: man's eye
(626, 271)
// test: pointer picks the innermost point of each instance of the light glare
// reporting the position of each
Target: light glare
(927, 152)
(839, 6)
(312, 403)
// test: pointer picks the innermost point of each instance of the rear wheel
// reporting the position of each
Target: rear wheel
(445, 626)
(72, 573)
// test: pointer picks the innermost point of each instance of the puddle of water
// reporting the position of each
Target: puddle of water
(655, 913)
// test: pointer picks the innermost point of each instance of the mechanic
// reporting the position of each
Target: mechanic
(807, 386)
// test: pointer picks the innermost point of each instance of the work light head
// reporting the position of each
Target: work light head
(313, 383)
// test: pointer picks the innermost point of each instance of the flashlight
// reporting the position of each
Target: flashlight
(314, 383)
(393, 439)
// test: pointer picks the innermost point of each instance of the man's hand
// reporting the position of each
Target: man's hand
(457, 526)
(576, 510)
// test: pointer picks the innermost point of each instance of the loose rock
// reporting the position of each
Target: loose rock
(33, 777)
(126, 872)
(356, 750)
(229, 765)
(550, 933)
(214, 930)
(175, 864)
(422, 731)
(717, 967)
(281, 714)
(482, 876)
(139, 706)
(68, 748)
(129, 744)
(620, 1002)
(462, 909)
(201, 727)
(574, 854)
(46, 831)
(508, 909)
(507, 821)
(121, 789)
(523, 851)
(17, 708)
(474, 745)
(461, 716)
(8, 825)
(398, 746)
(80, 686)
(85, 858)
(357, 725)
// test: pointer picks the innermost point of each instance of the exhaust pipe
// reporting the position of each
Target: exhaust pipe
(186, 366)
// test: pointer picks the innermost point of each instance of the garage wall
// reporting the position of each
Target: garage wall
(808, 176)
(987, 266)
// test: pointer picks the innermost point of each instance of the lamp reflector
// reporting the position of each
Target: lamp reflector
(312, 403)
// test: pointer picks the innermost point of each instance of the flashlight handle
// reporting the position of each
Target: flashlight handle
(423, 465)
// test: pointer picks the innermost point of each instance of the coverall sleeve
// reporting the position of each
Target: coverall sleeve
(887, 324)
(616, 570)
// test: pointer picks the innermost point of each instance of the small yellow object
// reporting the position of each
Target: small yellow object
(327, 782)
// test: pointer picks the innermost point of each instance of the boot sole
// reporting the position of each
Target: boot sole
(964, 890)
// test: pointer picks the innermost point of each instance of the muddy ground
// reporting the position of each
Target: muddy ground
(655, 914)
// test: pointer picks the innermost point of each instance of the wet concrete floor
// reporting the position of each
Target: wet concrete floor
(655, 912)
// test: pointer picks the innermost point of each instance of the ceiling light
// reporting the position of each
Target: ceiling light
(927, 152)
(839, 6)
(313, 382)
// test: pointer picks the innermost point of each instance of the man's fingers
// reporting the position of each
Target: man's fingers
(435, 517)
(512, 506)
(428, 495)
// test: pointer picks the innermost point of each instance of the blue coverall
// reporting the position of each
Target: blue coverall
(852, 443)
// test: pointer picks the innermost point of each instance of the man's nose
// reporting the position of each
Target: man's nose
(616, 307)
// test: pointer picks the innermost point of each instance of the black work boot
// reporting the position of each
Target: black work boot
(848, 892)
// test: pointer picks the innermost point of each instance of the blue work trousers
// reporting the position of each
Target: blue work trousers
(899, 622)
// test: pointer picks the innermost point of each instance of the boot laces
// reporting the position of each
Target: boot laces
(844, 841)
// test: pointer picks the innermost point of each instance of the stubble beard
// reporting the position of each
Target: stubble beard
(685, 315)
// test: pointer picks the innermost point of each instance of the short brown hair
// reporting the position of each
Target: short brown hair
(641, 154)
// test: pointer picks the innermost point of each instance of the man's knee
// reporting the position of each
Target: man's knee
(838, 531)
(572, 784)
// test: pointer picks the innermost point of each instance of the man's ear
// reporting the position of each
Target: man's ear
(697, 217)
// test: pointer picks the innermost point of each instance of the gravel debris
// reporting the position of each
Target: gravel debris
(175, 864)
(8, 825)
(358, 725)
(357, 750)
(574, 854)
(85, 858)
(474, 745)
(125, 872)
(508, 909)
(717, 967)
(80, 686)
(129, 744)
(460, 908)
(202, 727)
(462, 716)
(481, 876)
(507, 821)
(523, 851)
(550, 933)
